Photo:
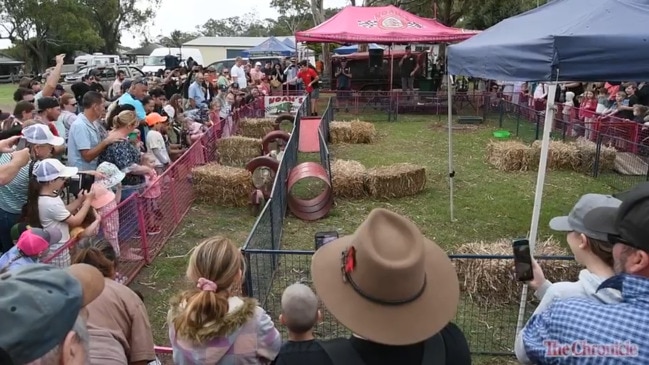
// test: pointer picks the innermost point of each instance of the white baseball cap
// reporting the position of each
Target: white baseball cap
(41, 134)
(258, 63)
(51, 169)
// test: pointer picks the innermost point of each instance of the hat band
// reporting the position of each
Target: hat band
(376, 300)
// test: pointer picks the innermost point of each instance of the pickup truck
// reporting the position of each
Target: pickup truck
(106, 74)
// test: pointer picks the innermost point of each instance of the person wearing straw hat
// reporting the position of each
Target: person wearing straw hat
(396, 290)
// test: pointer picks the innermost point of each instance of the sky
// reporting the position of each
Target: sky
(183, 15)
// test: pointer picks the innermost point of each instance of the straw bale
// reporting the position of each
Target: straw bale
(561, 155)
(395, 181)
(356, 131)
(238, 151)
(340, 132)
(256, 127)
(491, 281)
(362, 132)
(587, 151)
(222, 185)
(508, 155)
(348, 178)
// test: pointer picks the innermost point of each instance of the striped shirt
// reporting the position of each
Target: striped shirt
(583, 331)
(13, 196)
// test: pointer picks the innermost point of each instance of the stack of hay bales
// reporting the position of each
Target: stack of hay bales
(222, 185)
(587, 151)
(395, 181)
(256, 127)
(491, 282)
(238, 151)
(509, 155)
(348, 178)
(561, 155)
(352, 132)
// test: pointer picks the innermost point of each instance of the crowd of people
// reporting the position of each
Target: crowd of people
(393, 288)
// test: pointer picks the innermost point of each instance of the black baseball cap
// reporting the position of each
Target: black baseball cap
(47, 102)
(629, 223)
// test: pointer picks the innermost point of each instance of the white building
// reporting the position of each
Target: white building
(217, 48)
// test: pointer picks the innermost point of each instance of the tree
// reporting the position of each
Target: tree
(294, 15)
(248, 26)
(176, 38)
(38, 28)
(485, 13)
(112, 17)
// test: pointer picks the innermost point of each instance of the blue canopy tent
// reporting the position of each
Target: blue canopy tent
(271, 46)
(563, 40)
(289, 42)
(354, 48)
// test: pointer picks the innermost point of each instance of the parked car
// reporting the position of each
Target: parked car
(106, 74)
(65, 71)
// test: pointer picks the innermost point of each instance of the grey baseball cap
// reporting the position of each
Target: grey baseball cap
(39, 306)
(574, 221)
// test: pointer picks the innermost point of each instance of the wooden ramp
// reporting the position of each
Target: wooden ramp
(627, 163)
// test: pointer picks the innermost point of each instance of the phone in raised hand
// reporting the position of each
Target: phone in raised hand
(522, 259)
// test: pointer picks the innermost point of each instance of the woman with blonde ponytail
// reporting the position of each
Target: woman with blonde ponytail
(209, 324)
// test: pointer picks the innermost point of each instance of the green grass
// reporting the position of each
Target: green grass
(7, 97)
(489, 205)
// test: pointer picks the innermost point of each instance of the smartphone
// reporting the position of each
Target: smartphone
(522, 259)
(322, 238)
(22, 144)
(86, 181)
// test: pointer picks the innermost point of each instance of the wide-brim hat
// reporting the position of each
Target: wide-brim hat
(387, 282)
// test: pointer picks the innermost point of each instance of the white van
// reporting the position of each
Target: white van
(96, 59)
(156, 60)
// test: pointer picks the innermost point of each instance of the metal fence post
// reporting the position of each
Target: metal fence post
(598, 151)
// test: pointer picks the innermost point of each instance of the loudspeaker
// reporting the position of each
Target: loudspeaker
(376, 58)
(171, 62)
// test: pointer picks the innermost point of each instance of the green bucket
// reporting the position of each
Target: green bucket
(502, 134)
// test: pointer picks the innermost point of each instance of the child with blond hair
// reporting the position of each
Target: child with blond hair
(209, 323)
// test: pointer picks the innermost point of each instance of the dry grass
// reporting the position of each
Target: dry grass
(587, 151)
(561, 155)
(355, 132)
(348, 178)
(238, 151)
(508, 155)
(256, 127)
(490, 282)
(395, 181)
(222, 185)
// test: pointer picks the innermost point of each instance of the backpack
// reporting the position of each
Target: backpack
(341, 352)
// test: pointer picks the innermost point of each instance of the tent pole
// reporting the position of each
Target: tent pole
(538, 195)
(451, 172)
(391, 66)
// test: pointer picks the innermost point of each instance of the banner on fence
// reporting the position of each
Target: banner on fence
(276, 105)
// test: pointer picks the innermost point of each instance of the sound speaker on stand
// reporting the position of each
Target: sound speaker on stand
(376, 58)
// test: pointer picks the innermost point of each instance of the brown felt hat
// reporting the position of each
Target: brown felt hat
(387, 282)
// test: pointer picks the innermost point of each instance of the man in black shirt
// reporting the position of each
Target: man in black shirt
(409, 67)
(396, 290)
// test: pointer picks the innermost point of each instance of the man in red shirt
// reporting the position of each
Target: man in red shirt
(310, 80)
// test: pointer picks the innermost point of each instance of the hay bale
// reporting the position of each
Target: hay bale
(222, 185)
(238, 151)
(256, 127)
(491, 282)
(587, 151)
(561, 155)
(348, 178)
(340, 132)
(508, 155)
(355, 131)
(395, 181)
(362, 132)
